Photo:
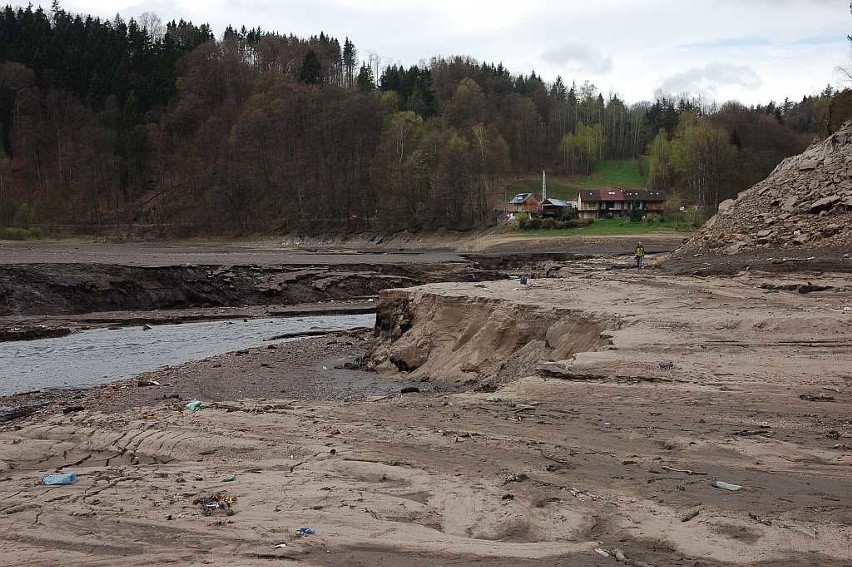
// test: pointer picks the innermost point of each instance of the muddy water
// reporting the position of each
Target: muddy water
(98, 356)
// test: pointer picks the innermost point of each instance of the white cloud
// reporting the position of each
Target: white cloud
(707, 80)
(578, 58)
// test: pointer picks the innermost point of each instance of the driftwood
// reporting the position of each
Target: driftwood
(317, 333)
(19, 412)
(687, 471)
(555, 459)
(690, 515)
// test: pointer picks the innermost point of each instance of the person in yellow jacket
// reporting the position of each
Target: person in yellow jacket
(639, 254)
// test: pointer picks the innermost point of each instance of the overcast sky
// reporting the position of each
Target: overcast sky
(749, 50)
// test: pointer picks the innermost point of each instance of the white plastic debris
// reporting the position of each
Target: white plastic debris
(727, 486)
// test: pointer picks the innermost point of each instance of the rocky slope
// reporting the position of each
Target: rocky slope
(806, 202)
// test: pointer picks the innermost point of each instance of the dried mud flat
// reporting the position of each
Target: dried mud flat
(583, 451)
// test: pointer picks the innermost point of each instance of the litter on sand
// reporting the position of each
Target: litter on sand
(220, 502)
(59, 479)
(727, 486)
(194, 405)
(305, 532)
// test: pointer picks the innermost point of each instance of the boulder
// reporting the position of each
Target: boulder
(824, 204)
(725, 206)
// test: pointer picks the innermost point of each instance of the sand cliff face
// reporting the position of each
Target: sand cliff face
(806, 202)
(468, 341)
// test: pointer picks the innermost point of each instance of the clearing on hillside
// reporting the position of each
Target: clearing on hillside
(608, 173)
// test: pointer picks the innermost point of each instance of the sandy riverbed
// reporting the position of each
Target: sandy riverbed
(598, 451)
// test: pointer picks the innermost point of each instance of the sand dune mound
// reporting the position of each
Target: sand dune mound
(806, 202)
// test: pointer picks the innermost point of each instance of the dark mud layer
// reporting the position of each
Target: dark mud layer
(50, 289)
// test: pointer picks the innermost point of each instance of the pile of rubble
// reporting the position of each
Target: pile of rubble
(805, 203)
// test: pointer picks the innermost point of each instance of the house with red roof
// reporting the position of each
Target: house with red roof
(616, 203)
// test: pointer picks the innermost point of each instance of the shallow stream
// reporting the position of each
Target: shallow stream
(98, 356)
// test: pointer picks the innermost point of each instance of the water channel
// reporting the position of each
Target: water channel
(99, 356)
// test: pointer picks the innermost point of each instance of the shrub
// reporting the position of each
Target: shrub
(635, 215)
(549, 223)
(16, 233)
(688, 220)
(535, 223)
(25, 216)
(692, 217)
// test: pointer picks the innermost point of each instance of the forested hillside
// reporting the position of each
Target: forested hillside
(111, 122)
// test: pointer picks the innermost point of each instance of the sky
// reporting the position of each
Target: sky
(752, 51)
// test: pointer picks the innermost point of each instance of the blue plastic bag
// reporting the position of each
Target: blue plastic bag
(59, 479)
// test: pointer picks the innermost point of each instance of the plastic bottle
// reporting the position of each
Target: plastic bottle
(59, 479)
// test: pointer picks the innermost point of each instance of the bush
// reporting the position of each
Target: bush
(15, 233)
(549, 223)
(692, 218)
(689, 219)
(635, 215)
(535, 223)
(651, 218)
(25, 216)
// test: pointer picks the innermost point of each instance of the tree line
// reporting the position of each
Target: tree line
(108, 122)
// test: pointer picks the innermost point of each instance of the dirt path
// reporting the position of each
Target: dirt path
(600, 451)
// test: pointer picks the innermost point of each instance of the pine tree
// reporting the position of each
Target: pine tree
(311, 69)
(365, 81)
(349, 58)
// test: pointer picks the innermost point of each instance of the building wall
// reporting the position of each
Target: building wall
(532, 205)
(597, 210)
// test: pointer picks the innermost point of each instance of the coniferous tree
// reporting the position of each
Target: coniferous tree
(365, 81)
(311, 69)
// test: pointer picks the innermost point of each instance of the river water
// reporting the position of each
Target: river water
(99, 356)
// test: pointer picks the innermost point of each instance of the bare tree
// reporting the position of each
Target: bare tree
(151, 23)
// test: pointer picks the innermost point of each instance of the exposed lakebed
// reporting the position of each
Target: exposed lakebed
(98, 356)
